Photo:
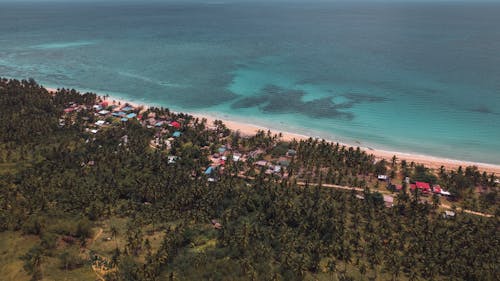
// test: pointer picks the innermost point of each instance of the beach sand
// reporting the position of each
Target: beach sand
(250, 129)
(429, 161)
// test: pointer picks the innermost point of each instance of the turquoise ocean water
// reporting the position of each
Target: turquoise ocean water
(420, 78)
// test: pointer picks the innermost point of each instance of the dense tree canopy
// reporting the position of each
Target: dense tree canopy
(58, 182)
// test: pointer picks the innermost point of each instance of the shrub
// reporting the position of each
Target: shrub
(70, 261)
(49, 241)
(32, 226)
(83, 229)
(63, 227)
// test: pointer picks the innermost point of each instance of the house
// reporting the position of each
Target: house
(100, 122)
(236, 157)
(127, 108)
(131, 115)
(119, 114)
(423, 186)
(216, 224)
(438, 190)
(209, 170)
(175, 124)
(445, 193)
(291, 153)
(94, 131)
(449, 214)
(261, 163)
(97, 107)
(103, 112)
(255, 153)
(69, 109)
(172, 159)
(176, 134)
(382, 177)
(124, 119)
(277, 169)
(388, 201)
(159, 124)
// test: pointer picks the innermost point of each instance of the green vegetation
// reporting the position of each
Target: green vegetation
(112, 206)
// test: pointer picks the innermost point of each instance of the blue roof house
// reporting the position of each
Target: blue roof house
(119, 114)
(209, 170)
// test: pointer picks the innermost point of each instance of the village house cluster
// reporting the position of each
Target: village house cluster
(169, 127)
(254, 158)
(424, 187)
(108, 114)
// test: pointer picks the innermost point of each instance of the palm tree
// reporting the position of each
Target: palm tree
(332, 267)
(393, 161)
(114, 233)
(33, 262)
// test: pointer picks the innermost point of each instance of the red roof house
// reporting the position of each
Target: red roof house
(425, 187)
(175, 124)
(104, 104)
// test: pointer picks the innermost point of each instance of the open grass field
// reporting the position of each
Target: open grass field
(13, 245)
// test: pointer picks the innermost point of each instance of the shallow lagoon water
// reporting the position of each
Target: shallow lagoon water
(420, 78)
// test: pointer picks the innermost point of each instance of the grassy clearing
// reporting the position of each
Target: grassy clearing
(106, 243)
(12, 246)
(51, 271)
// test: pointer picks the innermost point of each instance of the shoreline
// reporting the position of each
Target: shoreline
(247, 129)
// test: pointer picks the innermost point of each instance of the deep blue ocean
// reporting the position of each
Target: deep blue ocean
(421, 78)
